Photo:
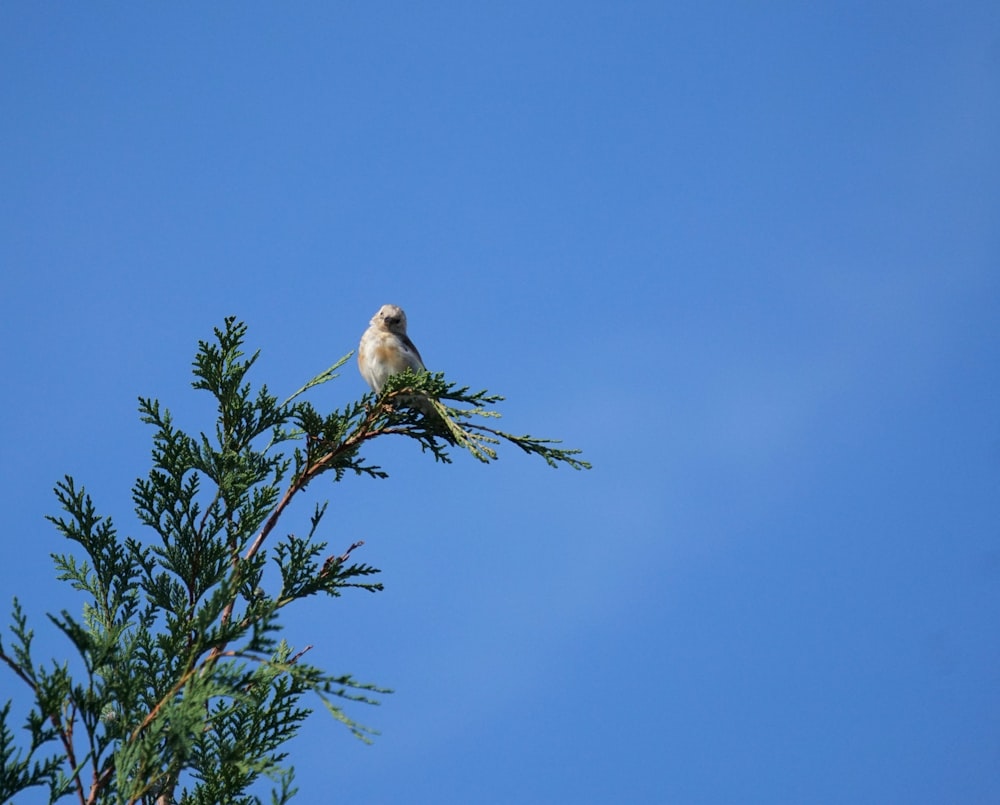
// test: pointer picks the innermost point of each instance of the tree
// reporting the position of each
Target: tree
(187, 693)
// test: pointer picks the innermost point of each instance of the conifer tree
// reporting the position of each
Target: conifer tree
(186, 693)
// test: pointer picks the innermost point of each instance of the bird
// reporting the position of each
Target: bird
(386, 349)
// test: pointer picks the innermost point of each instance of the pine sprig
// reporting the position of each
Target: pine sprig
(187, 692)
(20, 770)
(426, 408)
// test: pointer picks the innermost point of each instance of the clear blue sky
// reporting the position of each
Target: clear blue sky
(747, 259)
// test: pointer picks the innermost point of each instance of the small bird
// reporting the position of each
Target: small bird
(386, 349)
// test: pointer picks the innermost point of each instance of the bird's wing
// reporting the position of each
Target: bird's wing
(416, 354)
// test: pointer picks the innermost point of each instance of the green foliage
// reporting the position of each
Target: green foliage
(186, 692)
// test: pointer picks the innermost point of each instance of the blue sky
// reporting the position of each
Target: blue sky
(746, 258)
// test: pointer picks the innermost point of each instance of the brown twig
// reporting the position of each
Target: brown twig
(17, 669)
(298, 656)
(333, 561)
